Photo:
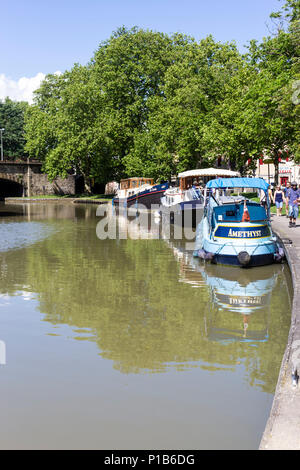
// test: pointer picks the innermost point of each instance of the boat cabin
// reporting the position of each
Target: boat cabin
(200, 177)
(189, 181)
(133, 183)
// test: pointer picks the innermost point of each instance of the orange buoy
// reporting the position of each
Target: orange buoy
(246, 215)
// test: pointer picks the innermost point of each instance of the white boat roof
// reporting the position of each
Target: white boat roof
(217, 172)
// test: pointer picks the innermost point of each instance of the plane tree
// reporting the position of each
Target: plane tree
(12, 120)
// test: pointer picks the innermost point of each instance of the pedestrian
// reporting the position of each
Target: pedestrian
(278, 200)
(270, 195)
(270, 192)
(262, 198)
(288, 186)
(293, 199)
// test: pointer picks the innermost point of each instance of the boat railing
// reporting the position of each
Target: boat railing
(173, 191)
(196, 193)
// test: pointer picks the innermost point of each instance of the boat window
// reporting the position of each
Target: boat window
(124, 184)
(230, 213)
(234, 212)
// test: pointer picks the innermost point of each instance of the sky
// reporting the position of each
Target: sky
(42, 36)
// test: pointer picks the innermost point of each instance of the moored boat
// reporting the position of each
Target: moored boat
(139, 191)
(178, 200)
(235, 230)
(188, 196)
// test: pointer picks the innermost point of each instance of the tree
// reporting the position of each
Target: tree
(86, 118)
(40, 119)
(130, 69)
(277, 61)
(153, 105)
(193, 86)
(257, 115)
(12, 120)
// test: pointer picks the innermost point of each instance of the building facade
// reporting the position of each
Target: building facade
(288, 171)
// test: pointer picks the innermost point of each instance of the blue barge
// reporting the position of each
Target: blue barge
(234, 230)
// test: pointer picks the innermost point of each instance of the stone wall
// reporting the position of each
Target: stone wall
(33, 181)
(111, 187)
(40, 185)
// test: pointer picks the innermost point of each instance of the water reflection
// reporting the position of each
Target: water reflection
(15, 235)
(240, 307)
(131, 343)
(138, 302)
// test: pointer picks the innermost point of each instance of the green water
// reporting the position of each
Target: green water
(131, 344)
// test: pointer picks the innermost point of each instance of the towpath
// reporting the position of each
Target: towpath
(283, 427)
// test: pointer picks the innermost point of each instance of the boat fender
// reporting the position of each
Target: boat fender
(205, 255)
(281, 252)
(279, 255)
(244, 258)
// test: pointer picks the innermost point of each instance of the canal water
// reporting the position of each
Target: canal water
(131, 343)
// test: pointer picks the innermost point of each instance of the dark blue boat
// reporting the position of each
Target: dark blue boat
(135, 191)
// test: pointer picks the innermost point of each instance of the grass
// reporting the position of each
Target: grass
(95, 196)
(273, 207)
(44, 197)
(67, 196)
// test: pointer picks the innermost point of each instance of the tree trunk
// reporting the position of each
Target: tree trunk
(87, 184)
(276, 166)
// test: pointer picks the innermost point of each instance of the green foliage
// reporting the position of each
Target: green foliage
(257, 114)
(193, 85)
(153, 105)
(12, 120)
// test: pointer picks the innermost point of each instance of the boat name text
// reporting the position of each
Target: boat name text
(244, 233)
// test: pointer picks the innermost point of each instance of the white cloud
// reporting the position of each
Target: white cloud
(22, 89)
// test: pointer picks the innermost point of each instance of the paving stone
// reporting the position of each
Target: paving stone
(283, 427)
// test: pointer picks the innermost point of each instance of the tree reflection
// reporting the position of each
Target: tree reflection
(147, 309)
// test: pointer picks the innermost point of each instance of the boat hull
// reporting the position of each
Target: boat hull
(187, 206)
(186, 212)
(232, 260)
(147, 198)
(242, 251)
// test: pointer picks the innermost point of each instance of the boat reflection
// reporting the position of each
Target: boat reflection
(240, 302)
(146, 310)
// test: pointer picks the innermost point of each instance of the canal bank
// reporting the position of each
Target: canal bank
(73, 200)
(282, 431)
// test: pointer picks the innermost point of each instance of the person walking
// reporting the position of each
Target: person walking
(293, 199)
(286, 189)
(278, 200)
(270, 194)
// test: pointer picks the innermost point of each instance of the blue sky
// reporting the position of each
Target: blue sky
(43, 36)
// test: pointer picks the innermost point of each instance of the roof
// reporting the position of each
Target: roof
(257, 183)
(208, 172)
(136, 178)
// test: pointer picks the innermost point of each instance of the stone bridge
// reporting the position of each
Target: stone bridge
(27, 179)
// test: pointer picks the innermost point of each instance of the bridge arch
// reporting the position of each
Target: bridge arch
(11, 188)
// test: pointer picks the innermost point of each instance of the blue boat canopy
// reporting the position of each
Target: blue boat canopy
(222, 183)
